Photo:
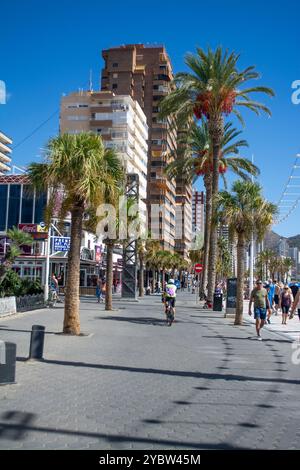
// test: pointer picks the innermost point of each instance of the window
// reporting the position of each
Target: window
(153, 175)
(139, 57)
(14, 205)
(27, 205)
(115, 64)
(3, 201)
(40, 204)
(114, 86)
(115, 75)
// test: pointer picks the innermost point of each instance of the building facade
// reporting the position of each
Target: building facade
(22, 207)
(5, 151)
(145, 73)
(183, 226)
(122, 125)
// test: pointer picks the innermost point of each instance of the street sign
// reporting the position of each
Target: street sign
(61, 243)
(198, 268)
(42, 224)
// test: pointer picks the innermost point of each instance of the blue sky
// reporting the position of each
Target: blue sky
(47, 49)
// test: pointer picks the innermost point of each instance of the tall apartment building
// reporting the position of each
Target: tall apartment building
(184, 215)
(145, 73)
(5, 152)
(121, 123)
(198, 212)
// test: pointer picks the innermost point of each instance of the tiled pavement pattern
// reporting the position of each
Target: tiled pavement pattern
(135, 383)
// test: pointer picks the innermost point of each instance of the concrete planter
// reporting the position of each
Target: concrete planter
(8, 306)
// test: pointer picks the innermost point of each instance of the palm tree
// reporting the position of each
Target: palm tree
(213, 88)
(196, 159)
(264, 259)
(287, 264)
(89, 175)
(245, 211)
(13, 250)
(224, 264)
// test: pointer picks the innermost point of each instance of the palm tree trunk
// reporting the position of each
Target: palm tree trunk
(208, 212)
(71, 316)
(216, 130)
(241, 252)
(141, 278)
(109, 275)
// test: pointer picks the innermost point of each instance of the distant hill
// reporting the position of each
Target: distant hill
(272, 240)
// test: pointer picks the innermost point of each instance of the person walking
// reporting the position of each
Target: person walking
(296, 305)
(270, 297)
(277, 293)
(259, 297)
(99, 290)
(285, 303)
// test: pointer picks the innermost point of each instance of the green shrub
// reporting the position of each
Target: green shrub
(13, 285)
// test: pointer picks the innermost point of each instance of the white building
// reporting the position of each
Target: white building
(121, 123)
(5, 152)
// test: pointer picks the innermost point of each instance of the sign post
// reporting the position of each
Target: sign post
(231, 297)
(198, 268)
(61, 243)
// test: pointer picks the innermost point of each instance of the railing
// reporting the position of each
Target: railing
(82, 290)
(30, 302)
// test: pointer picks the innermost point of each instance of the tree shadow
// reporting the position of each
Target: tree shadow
(4, 328)
(137, 320)
(172, 373)
(15, 425)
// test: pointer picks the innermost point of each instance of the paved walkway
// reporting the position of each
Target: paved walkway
(134, 383)
(290, 331)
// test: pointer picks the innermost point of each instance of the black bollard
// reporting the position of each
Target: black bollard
(37, 342)
(7, 363)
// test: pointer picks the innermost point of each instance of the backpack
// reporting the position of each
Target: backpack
(171, 289)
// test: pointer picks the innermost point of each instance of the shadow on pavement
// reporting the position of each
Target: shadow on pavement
(176, 373)
(15, 425)
(26, 331)
(137, 320)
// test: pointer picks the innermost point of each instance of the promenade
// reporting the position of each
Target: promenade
(131, 382)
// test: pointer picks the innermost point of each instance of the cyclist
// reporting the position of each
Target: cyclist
(170, 296)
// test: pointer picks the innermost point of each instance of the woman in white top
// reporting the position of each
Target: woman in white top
(296, 304)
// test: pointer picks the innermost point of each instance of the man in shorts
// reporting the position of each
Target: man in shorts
(259, 296)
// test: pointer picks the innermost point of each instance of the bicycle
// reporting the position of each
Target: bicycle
(169, 312)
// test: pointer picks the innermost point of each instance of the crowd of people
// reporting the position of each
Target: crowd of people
(274, 297)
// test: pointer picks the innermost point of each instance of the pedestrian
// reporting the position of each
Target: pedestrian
(99, 291)
(277, 293)
(296, 305)
(259, 297)
(294, 288)
(270, 297)
(285, 303)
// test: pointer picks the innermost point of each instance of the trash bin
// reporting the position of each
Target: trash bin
(7, 363)
(218, 302)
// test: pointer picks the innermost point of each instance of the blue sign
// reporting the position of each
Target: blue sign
(61, 243)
